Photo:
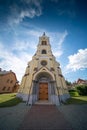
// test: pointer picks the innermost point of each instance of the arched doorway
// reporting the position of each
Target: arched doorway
(43, 86)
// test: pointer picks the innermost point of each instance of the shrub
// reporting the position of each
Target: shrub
(82, 89)
(72, 90)
(74, 94)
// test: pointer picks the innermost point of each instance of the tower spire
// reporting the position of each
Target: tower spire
(44, 34)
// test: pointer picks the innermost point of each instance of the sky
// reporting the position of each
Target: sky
(63, 21)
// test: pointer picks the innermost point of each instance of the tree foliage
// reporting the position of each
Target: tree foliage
(82, 89)
(68, 83)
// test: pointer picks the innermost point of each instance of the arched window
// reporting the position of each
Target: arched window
(44, 43)
(43, 51)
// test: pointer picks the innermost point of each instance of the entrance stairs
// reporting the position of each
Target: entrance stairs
(43, 102)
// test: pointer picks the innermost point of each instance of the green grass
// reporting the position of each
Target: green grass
(77, 100)
(8, 100)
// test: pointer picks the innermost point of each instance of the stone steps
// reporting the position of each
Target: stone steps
(44, 102)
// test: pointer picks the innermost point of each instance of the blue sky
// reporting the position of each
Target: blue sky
(64, 21)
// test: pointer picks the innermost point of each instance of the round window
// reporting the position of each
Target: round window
(43, 63)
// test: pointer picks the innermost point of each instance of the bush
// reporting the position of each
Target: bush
(82, 90)
(72, 90)
(74, 94)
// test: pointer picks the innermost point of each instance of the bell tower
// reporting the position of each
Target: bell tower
(43, 79)
(44, 47)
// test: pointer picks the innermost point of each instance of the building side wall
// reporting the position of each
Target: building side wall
(7, 83)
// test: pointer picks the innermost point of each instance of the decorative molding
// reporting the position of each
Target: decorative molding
(26, 74)
(60, 75)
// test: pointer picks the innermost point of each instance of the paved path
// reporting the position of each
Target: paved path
(44, 117)
(11, 117)
(76, 115)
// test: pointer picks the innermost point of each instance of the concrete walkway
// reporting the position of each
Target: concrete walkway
(44, 117)
(11, 117)
(76, 115)
(14, 118)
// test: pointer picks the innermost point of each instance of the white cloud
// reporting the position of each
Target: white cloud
(23, 45)
(9, 61)
(78, 61)
(58, 53)
(35, 33)
(27, 8)
(60, 37)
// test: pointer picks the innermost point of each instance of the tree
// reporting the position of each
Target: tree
(68, 83)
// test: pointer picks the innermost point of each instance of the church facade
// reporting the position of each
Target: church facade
(43, 79)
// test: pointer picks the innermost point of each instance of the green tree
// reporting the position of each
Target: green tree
(82, 89)
(68, 83)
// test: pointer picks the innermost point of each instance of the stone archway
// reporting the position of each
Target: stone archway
(43, 72)
(43, 79)
(43, 86)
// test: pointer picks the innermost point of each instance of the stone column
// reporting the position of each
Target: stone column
(34, 92)
(54, 96)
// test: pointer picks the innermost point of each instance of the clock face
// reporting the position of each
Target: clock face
(43, 62)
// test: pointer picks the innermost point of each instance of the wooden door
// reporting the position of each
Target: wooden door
(43, 91)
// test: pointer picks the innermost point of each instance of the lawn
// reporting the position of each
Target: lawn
(8, 100)
(77, 100)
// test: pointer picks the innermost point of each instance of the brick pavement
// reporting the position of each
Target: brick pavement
(44, 117)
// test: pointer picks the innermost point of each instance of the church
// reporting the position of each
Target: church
(43, 79)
